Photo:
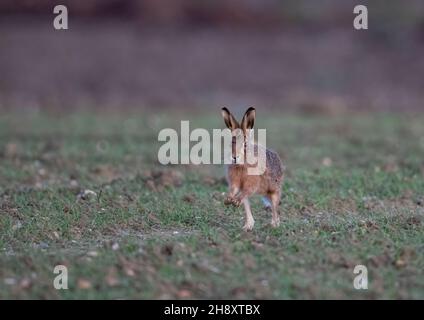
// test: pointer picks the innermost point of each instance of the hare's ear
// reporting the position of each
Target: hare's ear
(248, 119)
(230, 121)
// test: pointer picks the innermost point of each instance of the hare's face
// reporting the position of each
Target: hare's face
(239, 133)
(238, 146)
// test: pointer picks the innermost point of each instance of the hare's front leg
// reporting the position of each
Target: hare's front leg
(250, 222)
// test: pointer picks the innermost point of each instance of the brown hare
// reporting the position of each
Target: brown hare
(241, 184)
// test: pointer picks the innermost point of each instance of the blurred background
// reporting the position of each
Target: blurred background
(297, 55)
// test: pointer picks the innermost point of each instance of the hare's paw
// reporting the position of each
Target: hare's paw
(275, 222)
(232, 201)
(248, 226)
(236, 202)
(228, 201)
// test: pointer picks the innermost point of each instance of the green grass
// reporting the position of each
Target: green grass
(163, 232)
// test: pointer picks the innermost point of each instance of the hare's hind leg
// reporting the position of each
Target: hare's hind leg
(248, 226)
(275, 201)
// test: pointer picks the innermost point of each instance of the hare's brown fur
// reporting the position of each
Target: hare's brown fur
(242, 185)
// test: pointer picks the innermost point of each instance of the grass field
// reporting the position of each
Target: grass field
(354, 194)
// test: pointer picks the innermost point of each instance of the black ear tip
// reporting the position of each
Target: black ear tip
(250, 109)
(224, 109)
